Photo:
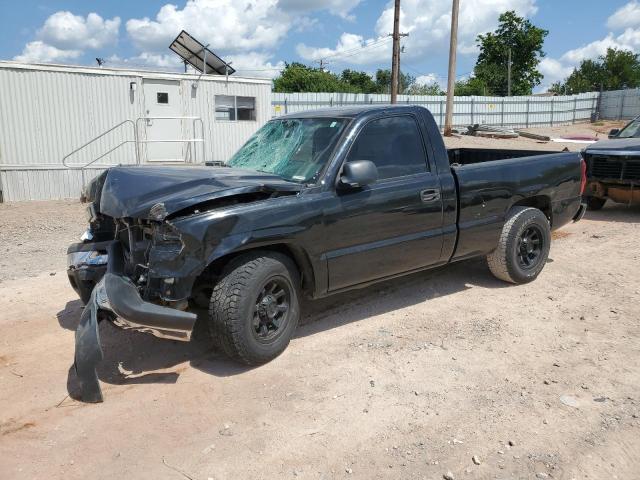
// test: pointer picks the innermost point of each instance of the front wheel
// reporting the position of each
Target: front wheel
(523, 247)
(254, 307)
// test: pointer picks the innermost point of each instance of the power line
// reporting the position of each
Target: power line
(342, 59)
(355, 51)
(435, 75)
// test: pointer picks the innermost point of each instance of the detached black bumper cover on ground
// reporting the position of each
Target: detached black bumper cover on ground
(119, 297)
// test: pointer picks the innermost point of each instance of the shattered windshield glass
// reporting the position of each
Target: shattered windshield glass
(632, 130)
(295, 149)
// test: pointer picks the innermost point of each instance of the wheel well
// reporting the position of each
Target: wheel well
(541, 202)
(296, 254)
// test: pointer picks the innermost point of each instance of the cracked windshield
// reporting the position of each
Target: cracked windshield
(294, 149)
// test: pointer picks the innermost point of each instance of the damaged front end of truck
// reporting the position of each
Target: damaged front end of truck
(152, 233)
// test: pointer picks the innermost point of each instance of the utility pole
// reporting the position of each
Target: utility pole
(395, 61)
(509, 74)
(453, 47)
(400, 69)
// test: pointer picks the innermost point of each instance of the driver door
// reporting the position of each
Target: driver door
(394, 225)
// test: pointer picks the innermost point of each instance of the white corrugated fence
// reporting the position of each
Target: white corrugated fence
(530, 111)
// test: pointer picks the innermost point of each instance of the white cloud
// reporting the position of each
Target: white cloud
(428, 23)
(351, 48)
(255, 64)
(593, 49)
(431, 78)
(65, 36)
(624, 17)
(147, 60)
(38, 52)
(553, 70)
(247, 64)
(336, 7)
(558, 69)
(68, 31)
(233, 25)
(427, 79)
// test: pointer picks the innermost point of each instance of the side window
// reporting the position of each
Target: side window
(225, 107)
(393, 144)
(162, 97)
(246, 107)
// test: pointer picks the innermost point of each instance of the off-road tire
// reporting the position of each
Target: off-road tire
(595, 203)
(234, 297)
(504, 260)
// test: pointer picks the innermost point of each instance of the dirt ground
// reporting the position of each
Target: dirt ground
(407, 379)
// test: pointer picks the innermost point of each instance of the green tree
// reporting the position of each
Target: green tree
(297, 77)
(616, 70)
(424, 89)
(361, 82)
(470, 86)
(525, 41)
(383, 81)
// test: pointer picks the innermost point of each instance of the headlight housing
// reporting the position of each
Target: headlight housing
(166, 243)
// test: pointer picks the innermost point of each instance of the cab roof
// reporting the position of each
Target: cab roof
(351, 111)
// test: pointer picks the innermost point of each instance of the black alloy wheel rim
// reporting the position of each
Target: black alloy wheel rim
(530, 245)
(271, 310)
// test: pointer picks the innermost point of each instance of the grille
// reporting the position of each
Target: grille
(632, 171)
(614, 168)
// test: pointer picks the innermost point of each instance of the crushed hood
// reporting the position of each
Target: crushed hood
(133, 191)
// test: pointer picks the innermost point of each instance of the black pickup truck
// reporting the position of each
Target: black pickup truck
(314, 203)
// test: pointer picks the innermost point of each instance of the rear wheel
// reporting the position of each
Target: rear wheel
(523, 247)
(254, 307)
(595, 203)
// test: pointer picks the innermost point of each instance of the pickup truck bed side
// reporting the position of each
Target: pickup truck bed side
(484, 187)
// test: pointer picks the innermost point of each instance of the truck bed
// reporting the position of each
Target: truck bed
(468, 156)
(486, 177)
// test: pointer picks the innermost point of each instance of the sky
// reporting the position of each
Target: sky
(259, 36)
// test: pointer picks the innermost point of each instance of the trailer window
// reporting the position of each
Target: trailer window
(162, 97)
(233, 108)
(394, 144)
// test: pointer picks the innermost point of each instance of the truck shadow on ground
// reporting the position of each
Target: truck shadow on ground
(138, 358)
(615, 212)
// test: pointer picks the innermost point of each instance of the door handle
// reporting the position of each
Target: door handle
(430, 195)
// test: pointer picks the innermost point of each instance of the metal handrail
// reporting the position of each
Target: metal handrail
(82, 167)
(136, 140)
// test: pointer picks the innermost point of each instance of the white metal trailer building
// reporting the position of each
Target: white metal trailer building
(54, 116)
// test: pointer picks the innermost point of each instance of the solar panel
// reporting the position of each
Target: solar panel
(199, 56)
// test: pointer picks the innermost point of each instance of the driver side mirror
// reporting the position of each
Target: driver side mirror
(358, 173)
(614, 133)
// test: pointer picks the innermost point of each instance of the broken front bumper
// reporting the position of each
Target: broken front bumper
(118, 297)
